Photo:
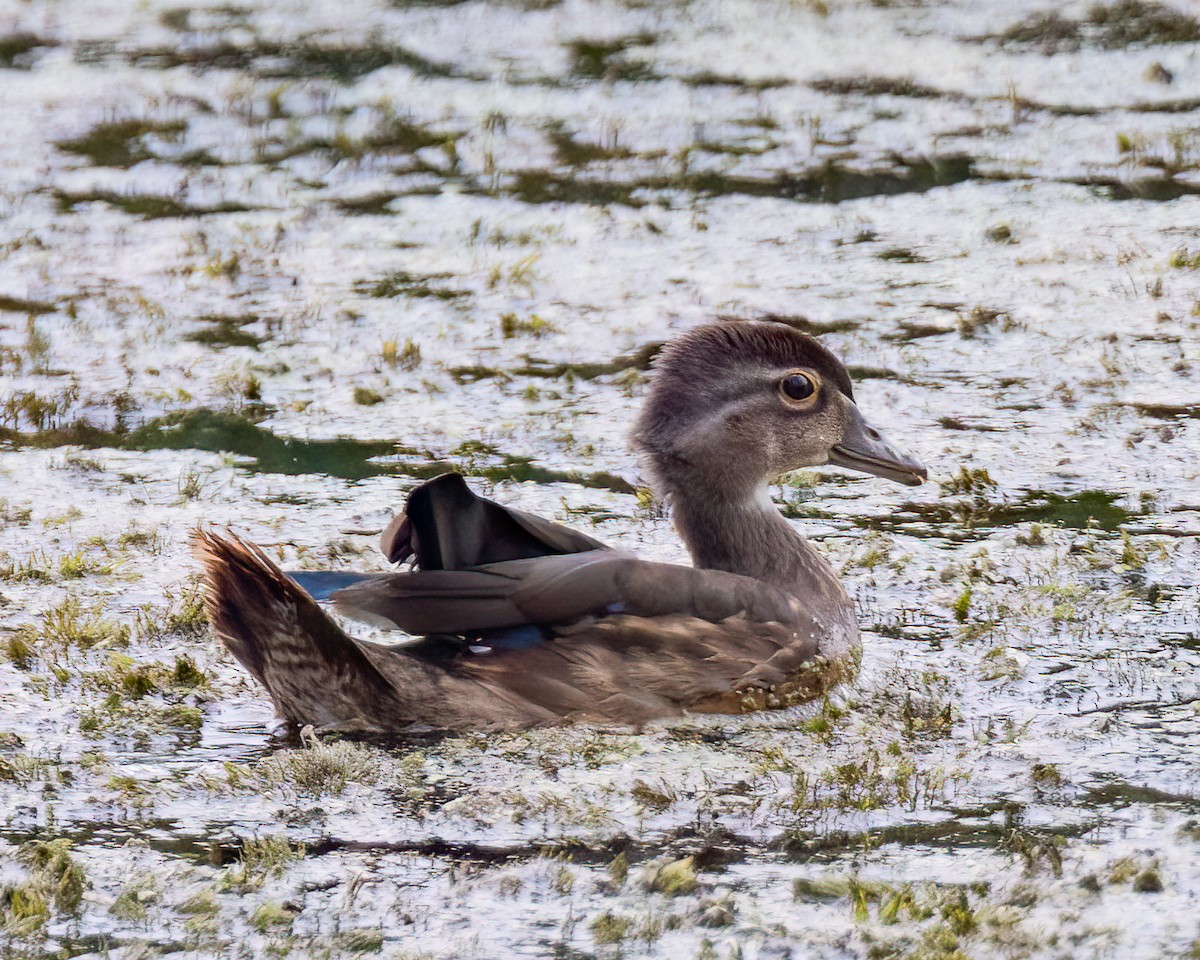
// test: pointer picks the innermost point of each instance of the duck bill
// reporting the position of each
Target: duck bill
(865, 449)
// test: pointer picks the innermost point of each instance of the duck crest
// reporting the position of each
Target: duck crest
(527, 622)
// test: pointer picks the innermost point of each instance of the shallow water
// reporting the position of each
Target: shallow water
(269, 265)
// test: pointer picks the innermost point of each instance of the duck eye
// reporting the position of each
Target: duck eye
(798, 386)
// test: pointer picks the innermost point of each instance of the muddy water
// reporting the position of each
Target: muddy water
(271, 265)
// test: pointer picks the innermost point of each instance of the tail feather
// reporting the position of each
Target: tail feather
(314, 672)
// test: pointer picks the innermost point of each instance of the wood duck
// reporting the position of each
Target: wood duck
(528, 622)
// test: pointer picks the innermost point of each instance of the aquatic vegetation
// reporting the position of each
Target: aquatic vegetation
(322, 768)
(54, 881)
(121, 143)
(605, 59)
(513, 326)
(1117, 25)
(407, 357)
(282, 211)
(72, 626)
(400, 283)
(261, 858)
(366, 397)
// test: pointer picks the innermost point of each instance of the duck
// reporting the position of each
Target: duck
(524, 622)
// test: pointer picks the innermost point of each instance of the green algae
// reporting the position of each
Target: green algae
(401, 283)
(226, 331)
(877, 87)
(122, 143)
(146, 206)
(605, 59)
(572, 152)
(17, 49)
(224, 432)
(833, 182)
(302, 59)
(10, 304)
(491, 828)
(1112, 26)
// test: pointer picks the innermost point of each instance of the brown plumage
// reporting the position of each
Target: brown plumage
(532, 623)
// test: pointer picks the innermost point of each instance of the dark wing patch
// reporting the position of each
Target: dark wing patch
(445, 526)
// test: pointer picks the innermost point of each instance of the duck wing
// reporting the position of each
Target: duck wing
(445, 526)
(558, 591)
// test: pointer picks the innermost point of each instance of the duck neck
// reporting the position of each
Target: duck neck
(747, 535)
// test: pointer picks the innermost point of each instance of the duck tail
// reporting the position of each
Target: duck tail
(314, 672)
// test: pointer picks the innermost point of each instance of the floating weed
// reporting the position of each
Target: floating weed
(961, 606)
(262, 857)
(135, 899)
(80, 463)
(999, 664)
(64, 519)
(25, 769)
(54, 878)
(519, 274)
(75, 566)
(656, 799)
(203, 904)
(900, 255)
(144, 714)
(149, 540)
(1036, 537)
(1148, 881)
(71, 625)
(16, 49)
(366, 397)
(36, 566)
(968, 480)
(1112, 26)
(269, 915)
(406, 358)
(133, 680)
(1036, 849)
(238, 387)
(182, 616)
(1000, 233)
(366, 942)
(675, 878)
(12, 514)
(51, 862)
(977, 321)
(9, 304)
(322, 769)
(563, 881)
(24, 909)
(401, 283)
(65, 628)
(604, 60)
(876, 551)
(122, 143)
(610, 928)
(1184, 259)
(129, 791)
(513, 326)
(20, 650)
(26, 409)
(226, 331)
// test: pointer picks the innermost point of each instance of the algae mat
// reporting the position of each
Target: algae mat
(270, 264)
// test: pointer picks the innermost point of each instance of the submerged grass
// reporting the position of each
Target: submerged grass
(54, 885)
(322, 768)
(1007, 593)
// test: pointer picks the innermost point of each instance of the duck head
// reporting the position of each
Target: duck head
(735, 404)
